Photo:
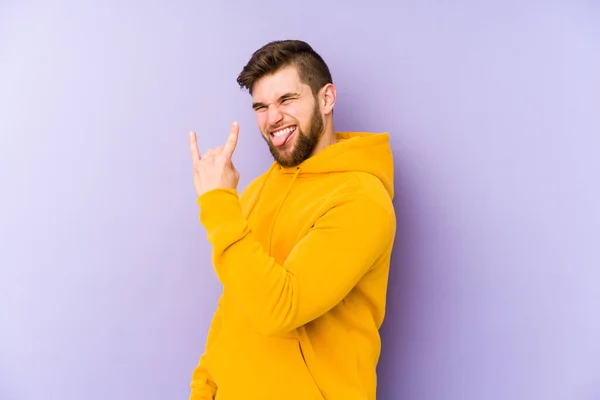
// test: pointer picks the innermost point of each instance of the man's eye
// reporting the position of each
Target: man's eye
(260, 108)
(286, 101)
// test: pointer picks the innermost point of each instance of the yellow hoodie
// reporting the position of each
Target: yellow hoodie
(303, 256)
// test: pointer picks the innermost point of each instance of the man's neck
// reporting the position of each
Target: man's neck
(327, 138)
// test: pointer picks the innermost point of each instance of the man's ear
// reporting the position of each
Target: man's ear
(327, 97)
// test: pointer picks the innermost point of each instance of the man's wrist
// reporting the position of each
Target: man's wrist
(219, 209)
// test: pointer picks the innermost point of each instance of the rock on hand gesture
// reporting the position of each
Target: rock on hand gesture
(215, 170)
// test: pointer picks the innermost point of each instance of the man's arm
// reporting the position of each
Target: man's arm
(318, 273)
(202, 387)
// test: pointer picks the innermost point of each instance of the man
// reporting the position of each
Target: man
(303, 253)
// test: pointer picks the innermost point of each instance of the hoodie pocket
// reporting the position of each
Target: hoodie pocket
(250, 366)
(308, 371)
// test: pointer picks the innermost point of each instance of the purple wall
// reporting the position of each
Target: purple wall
(106, 288)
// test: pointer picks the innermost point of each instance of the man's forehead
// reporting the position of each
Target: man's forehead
(271, 87)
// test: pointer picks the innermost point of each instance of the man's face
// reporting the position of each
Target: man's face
(288, 116)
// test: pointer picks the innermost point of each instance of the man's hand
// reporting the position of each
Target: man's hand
(215, 169)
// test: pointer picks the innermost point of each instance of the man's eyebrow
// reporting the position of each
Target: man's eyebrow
(290, 94)
(282, 97)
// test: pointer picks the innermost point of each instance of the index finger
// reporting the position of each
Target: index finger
(231, 140)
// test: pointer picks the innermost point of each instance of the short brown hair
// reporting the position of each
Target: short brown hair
(313, 71)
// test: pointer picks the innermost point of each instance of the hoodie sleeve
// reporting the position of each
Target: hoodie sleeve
(202, 386)
(319, 272)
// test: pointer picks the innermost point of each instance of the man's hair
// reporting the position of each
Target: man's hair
(273, 56)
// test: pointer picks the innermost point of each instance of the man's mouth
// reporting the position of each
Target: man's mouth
(281, 136)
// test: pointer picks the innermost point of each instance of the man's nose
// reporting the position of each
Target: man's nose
(274, 115)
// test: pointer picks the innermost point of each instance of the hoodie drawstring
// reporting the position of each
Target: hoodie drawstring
(260, 190)
(287, 191)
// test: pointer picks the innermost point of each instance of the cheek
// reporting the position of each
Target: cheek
(261, 121)
(296, 112)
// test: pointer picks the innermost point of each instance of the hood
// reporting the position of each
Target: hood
(354, 151)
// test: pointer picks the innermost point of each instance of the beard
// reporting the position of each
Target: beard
(305, 142)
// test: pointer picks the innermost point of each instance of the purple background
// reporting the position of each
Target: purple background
(106, 287)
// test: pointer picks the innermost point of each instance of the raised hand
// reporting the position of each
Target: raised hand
(215, 170)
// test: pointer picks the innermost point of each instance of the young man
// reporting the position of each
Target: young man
(303, 253)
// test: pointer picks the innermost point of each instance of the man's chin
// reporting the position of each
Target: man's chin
(284, 159)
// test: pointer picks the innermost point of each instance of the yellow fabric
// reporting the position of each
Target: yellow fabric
(303, 255)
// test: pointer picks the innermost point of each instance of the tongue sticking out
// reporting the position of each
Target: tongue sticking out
(281, 138)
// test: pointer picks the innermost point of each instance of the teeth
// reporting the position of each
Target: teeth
(284, 131)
